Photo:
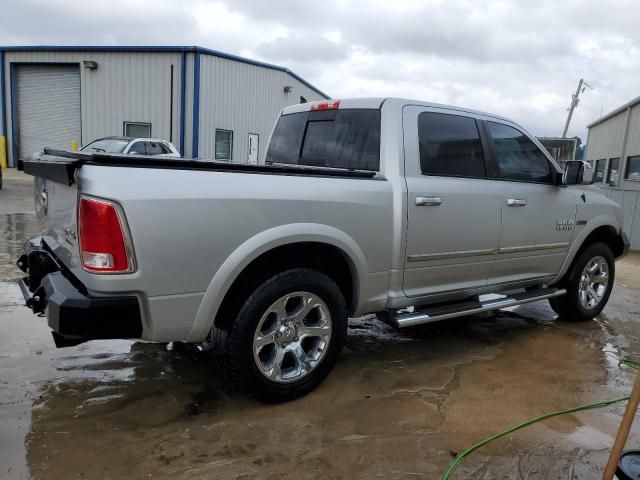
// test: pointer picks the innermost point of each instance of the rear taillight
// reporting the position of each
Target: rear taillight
(103, 241)
(326, 105)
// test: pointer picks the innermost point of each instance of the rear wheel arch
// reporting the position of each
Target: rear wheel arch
(322, 257)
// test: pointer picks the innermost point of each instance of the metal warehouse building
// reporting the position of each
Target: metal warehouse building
(208, 103)
(613, 149)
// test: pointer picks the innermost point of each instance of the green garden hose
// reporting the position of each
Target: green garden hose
(453, 465)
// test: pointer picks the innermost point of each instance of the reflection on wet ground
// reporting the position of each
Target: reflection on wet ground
(15, 229)
(398, 405)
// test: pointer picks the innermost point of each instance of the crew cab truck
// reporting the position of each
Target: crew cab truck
(360, 206)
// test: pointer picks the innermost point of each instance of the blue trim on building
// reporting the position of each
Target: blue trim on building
(15, 157)
(183, 104)
(166, 49)
(195, 126)
(3, 100)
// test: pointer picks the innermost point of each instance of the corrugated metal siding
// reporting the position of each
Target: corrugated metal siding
(135, 86)
(125, 87)
(633, 137)
(245, 99)
(605, 139)
(629, 200)
(48, 98)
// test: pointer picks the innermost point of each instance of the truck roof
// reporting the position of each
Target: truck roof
(376, 102)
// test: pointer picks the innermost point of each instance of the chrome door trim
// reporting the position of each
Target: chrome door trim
(528, 248)
(439, 256)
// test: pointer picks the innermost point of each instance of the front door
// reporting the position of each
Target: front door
(252, 156)
(453, 208)
(538, 216)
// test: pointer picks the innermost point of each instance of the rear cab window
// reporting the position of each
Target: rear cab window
(348, 138)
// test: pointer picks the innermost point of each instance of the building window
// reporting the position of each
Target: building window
(598, 171)
(633, 168)
(223, 144)
(612, 172)
(137, 129)
(303, 100)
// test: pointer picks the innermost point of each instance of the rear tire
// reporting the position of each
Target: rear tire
(287, 336)
(588, 283)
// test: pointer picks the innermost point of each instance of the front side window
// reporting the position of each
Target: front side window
(137, 129)
(518, 158)
(633, 168)
(612, 172)
(450, 146)
(348, 138)
(598, 171)
(223, 144)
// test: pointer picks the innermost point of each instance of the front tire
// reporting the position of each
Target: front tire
(287, 336)
(588, 283)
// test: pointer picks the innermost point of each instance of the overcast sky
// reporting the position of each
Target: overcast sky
(518, 58)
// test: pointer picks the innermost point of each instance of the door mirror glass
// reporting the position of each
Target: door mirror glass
(577, 172)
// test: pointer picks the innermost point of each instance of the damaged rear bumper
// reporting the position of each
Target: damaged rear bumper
(73, 314)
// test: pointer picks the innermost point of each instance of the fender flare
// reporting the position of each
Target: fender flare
(594, 223)
(261, 243)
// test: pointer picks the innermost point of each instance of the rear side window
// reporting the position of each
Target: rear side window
(450, 146)
(154, 148)
(518, 157)
(332, 138)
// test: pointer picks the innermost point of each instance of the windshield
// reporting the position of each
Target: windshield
(347, 138)
(106, 145)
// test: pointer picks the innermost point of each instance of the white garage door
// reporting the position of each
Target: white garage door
(48, 107)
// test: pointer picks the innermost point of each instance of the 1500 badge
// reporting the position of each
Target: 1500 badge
(564, 224)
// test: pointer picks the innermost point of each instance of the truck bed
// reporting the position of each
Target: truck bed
(60, 165)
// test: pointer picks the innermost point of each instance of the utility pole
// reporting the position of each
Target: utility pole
(574, 104)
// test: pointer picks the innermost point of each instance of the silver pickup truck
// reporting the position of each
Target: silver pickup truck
(409, 210)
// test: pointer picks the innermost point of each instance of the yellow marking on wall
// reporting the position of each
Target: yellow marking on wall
(74, 145)
(3, 152)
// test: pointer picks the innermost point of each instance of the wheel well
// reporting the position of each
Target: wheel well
(322, 257)
(607, 235)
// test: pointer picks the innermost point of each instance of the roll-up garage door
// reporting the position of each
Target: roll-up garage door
(48, 107)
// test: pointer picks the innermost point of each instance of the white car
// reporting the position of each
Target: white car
(134, 146)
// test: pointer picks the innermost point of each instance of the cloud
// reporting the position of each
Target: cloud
(516, 58)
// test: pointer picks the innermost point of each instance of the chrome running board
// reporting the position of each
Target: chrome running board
(439, 312)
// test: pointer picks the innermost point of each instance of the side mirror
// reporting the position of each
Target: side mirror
(577, 172)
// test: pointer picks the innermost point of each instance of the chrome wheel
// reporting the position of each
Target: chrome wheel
(593, 282)
(292, 337)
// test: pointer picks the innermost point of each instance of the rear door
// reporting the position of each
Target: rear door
(537, 216)
(453, 209)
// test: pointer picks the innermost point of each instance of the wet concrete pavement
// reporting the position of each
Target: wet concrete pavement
(398, 405)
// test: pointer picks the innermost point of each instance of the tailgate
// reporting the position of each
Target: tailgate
(56, 197)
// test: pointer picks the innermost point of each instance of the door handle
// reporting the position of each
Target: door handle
(516, 202)
(428, 201)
